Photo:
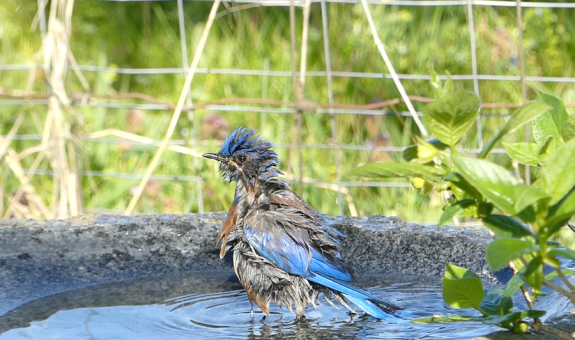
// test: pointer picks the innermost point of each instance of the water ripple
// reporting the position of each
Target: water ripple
(226, 315)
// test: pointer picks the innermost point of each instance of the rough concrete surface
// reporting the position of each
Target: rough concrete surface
(41, 258)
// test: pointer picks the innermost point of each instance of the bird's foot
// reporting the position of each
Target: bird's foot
(263, 319)
(353, 315)
(299, 318)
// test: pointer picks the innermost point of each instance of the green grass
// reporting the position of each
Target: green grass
(145, 35)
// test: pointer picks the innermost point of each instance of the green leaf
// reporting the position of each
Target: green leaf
(568, 129)
(447, 319)
(463, 293)
(506, 226)
(505, 320)
(525, 195)
(410, 152)
(553, 224)
(551, 260)
(557, 177)
(425, 151)
(558, 113)
(417, 182)
(454, 272)
(550, 123)
(532, 313)
(452, 115)
(421, 184)
(448, 213)
(392, 169)
(484, 209)
(554, 274)
(534, 273)
(462, 288)
(495, 303)
(502, 251)
(491, 180)
(547, 149)
(452, 210)
(458, 181)
(563, 252)
(514, 284)
(565, 206)
(520, 328)
(544, 127)
(496, 184)
(436, 85)
(528, 215)
(427, 186)
(525, 153)
(522, 116)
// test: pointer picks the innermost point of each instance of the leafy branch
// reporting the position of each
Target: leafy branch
(523, 219)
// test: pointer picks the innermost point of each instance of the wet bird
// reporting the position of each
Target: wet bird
(283, 250)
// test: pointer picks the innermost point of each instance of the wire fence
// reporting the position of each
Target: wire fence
(56, 30)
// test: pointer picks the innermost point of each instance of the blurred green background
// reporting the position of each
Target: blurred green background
(144, 35)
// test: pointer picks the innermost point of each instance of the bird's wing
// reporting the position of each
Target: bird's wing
(289, 247)
(281, 195)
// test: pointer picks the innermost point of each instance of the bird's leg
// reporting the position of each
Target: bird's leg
(299, 311)
(263, 319)
(352, 315)
(251, 309)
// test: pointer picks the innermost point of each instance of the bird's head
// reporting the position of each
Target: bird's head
(244, 155)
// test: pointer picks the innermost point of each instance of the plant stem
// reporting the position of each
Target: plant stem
(566, 280)
(538, 326)
(453, 150)
(556, 288)
(524, 291)
(527, 297)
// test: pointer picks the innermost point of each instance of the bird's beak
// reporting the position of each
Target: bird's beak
(215, 156)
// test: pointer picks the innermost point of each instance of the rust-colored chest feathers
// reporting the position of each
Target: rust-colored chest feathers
(250, 197)
(229, 224)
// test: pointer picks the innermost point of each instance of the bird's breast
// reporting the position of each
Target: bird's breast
(229, 224)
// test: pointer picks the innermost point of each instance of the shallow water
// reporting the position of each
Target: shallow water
(213, 306)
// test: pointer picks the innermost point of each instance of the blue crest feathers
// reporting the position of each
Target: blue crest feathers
(236, 140)
(262, 159)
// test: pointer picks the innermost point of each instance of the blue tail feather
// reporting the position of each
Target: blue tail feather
(368, 306)
(321, 265)
(360, 297)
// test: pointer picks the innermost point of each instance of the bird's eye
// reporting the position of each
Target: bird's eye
(241, 158)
